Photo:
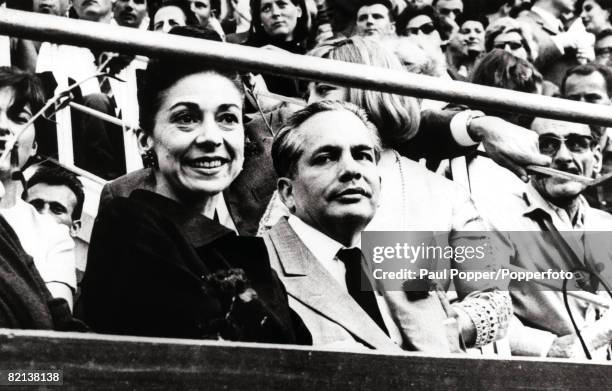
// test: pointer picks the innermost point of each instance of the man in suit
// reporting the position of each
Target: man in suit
(326, 159)
(558, 49)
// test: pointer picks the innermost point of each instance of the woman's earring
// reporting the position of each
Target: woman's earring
(149, 159)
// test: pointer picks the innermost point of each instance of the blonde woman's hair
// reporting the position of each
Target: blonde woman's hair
(396, 117)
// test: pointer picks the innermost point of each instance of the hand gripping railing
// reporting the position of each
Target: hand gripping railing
(133, 41)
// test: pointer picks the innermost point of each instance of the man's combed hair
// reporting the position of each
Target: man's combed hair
(287, 147)
(385, 3)
(58, 176)
(586, 70)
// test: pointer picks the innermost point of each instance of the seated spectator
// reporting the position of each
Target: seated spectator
(451, 9)
(51, 7)
(160, 263)
(57, 192)
(430, 32)
(489, 182)
(131, 13)
(417, 59)
(502, 69)
(411, 199)
(596, 15)
(25, 51)
(603, 48)
(104, 149)
(559, 47)
(414, 58)
(466, 48)
(25, 302)
(171, 13)
(513, 36)
(375, 18)
(205, 12)
(592, 83)
(279, 25)
(46, 241)
(542, 326)
(425, 22)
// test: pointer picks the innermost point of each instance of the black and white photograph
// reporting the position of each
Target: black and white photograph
(306, 195)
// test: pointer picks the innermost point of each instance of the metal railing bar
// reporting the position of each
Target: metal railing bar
(134, 41)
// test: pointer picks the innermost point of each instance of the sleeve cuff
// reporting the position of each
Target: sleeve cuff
(459, 127)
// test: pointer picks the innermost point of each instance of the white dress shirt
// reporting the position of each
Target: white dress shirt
(324, 249)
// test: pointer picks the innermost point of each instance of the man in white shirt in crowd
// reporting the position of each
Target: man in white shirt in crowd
(559, 48)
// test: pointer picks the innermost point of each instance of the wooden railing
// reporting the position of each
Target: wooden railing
(104, 362)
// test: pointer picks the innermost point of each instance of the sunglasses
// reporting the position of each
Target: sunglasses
(513, 45)
(426, 28)
(448, 11)
(576, 143)
(603, 51)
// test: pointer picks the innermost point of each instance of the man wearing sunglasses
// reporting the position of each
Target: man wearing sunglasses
(561, 235)
(574, 149)
(592, 83)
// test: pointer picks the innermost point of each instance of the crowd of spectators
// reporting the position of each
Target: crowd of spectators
(236, 202)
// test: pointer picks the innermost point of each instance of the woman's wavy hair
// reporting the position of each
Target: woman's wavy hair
(257, 34)
(502, 69)
(507, 25)
(397, 117)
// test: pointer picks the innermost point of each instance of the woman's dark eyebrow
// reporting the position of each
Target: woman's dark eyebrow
(195, 106)
(228, 106)
(189, 105)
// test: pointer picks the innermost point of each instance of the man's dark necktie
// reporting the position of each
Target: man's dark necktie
(359, 286)
(105, 86)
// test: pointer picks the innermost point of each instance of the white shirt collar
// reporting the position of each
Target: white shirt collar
(535, 201)
(320, 245)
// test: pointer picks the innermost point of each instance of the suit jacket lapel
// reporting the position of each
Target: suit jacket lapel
(308, 282)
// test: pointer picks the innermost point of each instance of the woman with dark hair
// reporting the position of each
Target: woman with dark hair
(279, 25)
(467, 46)
(491, 184)
(172, 13)
(37, 265)
(162, 261)
(596, 15)
(502, 69)
(426, 21)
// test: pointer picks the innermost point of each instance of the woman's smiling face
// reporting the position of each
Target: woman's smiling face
(198, 136)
